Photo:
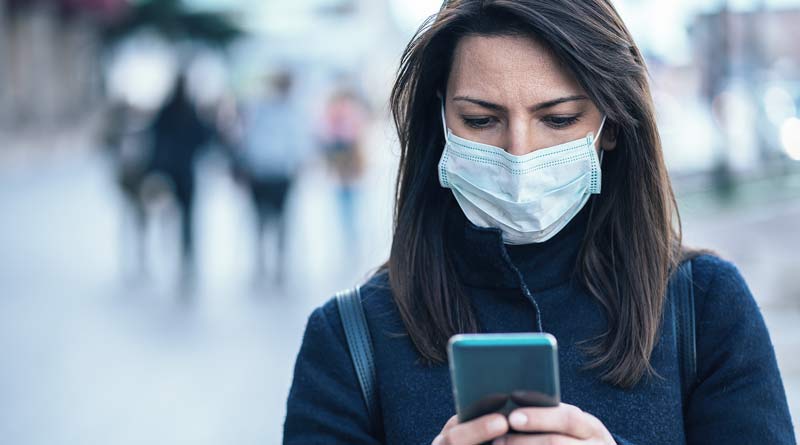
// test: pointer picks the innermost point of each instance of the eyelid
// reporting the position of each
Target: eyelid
(566, 120)
(553, 120)
(478, 116)
(470, 121)
(564, 115)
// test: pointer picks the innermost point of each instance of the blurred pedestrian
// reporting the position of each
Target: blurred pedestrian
(343, 125)
(271, 153)
(178, 133)
(124, 140)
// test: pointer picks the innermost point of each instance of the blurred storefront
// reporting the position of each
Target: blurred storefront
(50, 59)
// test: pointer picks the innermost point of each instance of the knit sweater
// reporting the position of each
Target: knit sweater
(739, 397)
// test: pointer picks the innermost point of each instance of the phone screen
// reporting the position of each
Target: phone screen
(500, 372)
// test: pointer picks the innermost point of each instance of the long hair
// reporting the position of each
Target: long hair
(633, 238)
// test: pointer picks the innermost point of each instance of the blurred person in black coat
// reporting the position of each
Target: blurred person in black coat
(178, 134)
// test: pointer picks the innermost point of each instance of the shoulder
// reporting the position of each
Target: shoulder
(710, 270)
(325, 402)
(722, 297)
(737, 372)
(718, 279)
(376, 299)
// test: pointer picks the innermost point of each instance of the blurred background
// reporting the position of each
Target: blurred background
(183, 181)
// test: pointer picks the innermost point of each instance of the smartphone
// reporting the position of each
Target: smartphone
(500, 372)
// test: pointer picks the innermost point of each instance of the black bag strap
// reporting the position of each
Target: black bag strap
(681, 294)
(359, 342)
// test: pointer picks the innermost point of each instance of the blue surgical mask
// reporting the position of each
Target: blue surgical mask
(530, 198)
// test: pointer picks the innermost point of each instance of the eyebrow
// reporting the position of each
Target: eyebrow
(537, 107)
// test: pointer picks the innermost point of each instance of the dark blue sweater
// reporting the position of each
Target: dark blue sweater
(739, 398)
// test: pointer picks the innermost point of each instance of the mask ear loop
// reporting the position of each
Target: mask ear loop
(444, 122)
(599, 132)
(442, 175)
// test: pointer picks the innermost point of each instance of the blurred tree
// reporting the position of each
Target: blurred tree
(121, 18)
(171, 19)
(104, 10)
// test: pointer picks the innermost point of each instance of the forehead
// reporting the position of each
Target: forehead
(508, 70)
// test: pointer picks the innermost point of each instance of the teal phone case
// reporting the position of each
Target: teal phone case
(500, 372)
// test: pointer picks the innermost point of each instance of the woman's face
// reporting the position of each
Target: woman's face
(511, 92)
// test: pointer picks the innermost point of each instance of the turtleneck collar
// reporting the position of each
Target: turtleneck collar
(482, 260)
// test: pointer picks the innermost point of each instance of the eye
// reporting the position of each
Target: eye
(478, 122)
(558, 122)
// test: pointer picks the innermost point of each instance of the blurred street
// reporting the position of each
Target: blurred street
(91, 358)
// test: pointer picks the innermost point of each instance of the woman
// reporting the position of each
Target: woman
(532, 196)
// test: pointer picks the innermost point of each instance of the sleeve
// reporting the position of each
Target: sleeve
(739, 396)
(620, 440)
(325, 404)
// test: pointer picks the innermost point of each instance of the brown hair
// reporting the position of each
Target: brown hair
(633, 239)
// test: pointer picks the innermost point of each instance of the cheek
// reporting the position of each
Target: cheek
(545, 136)
(488, 136)
(590, 124)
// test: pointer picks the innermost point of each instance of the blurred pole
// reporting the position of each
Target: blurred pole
(719, 75)
(756, 61)
(79, 57)
(18, 110)
(43, 75)
(4, 63)
(30, 48)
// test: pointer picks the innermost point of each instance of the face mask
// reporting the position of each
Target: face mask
(530, 198)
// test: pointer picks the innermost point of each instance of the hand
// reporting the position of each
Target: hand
(561, 425)
(474, 432)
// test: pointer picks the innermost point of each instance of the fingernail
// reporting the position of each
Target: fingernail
(437, 440)
(497, 425)
(499, 441)
(517, 419)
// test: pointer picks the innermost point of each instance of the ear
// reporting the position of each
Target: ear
(608, 141)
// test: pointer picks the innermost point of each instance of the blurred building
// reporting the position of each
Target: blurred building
(53, 52)
(750, 74)
(761, 42)
(49, 59)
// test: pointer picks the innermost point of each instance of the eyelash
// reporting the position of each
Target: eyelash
(479, 123)
(555, 122)
(559, 122)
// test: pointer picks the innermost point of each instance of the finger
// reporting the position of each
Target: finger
(538, 439)
(476, 431)
(564, 419)
(453, 421)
